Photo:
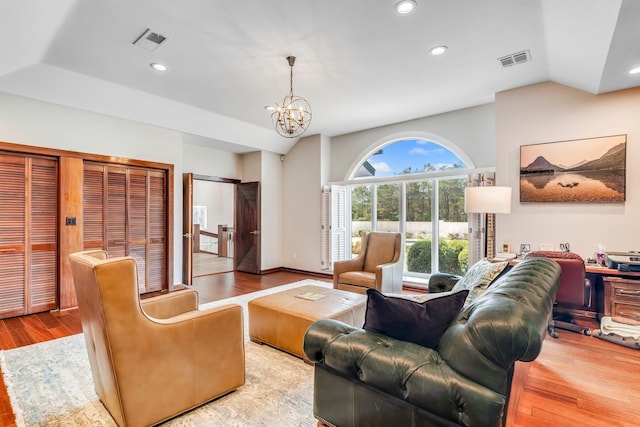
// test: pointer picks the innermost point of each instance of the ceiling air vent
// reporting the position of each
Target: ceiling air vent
(515, 58)
(149, 40)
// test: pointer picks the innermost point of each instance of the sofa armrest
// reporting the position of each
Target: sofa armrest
(389, 277)
(320, 334)
(171, 304)
(442, 282)
(401, 369)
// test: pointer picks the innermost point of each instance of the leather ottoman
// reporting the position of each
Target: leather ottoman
(281, 319)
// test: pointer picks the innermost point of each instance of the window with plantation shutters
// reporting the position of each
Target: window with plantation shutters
(124, 212)
(28, 234)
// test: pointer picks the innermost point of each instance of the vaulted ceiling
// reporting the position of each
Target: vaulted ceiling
(359, 64)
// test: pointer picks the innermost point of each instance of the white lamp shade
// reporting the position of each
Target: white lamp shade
(487, 199)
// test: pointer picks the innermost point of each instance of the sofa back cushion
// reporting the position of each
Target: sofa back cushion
(421, 323)
(382, 248)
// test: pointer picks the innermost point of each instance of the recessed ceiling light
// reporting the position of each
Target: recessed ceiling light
(438, 50)
(158, 67)
(405, 7)
(634, 70)
(269, 107)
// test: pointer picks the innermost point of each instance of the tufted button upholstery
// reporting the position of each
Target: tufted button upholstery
(465, 381)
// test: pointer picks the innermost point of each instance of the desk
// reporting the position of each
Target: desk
(617, 293)
(605, 271)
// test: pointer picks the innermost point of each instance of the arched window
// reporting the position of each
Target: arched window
(408, 157)
(414, 186)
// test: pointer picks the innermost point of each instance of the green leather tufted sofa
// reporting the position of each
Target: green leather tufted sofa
(364, 378)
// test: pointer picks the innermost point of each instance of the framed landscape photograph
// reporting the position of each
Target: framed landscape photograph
(582, 170)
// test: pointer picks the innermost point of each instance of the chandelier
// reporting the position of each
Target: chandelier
(291, 116)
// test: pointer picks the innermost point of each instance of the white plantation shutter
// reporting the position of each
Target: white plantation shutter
(338, 230)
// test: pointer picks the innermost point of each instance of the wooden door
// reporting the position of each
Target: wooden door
(187, 228)
(28, 235)
(124, 210)
(247, 243)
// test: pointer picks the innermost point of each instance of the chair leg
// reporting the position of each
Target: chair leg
(552, 328)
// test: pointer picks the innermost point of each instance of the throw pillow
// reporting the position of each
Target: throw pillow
(421, 323)
(479, 277)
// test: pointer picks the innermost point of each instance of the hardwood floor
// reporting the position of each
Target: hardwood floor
(205, 263)
(576, 380)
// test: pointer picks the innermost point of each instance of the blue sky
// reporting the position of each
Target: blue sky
(412, 153)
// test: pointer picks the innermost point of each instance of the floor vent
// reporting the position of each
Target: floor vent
(150, 41)
(515, 58)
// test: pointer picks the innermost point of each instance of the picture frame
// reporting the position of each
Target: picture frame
(581, 170)
(506, 248)
(525, 248)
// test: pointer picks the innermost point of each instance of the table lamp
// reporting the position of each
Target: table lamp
(488, 201)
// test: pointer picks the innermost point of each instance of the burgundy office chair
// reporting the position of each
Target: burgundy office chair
(575, 291)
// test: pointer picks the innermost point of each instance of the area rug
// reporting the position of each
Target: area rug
(50, 384)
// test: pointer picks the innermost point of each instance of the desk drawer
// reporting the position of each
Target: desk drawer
(622, 297)
(626, 292)
(626, 310)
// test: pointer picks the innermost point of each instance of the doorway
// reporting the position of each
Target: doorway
(209, 226)
(213, 227)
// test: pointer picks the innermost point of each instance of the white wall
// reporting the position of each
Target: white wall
(470, 133)
(266, 168)
(549, 112)
(272, 201)
(251, 167)
(302, 211)
(210, 162)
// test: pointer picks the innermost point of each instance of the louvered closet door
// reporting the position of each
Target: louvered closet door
(43, 229)
(138, 220)
(93, 215)
(157, 230)
(116, 202)
(125, 213)
(28, 238)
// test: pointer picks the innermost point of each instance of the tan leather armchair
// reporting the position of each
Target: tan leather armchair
(378, 266)
(156, 358)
